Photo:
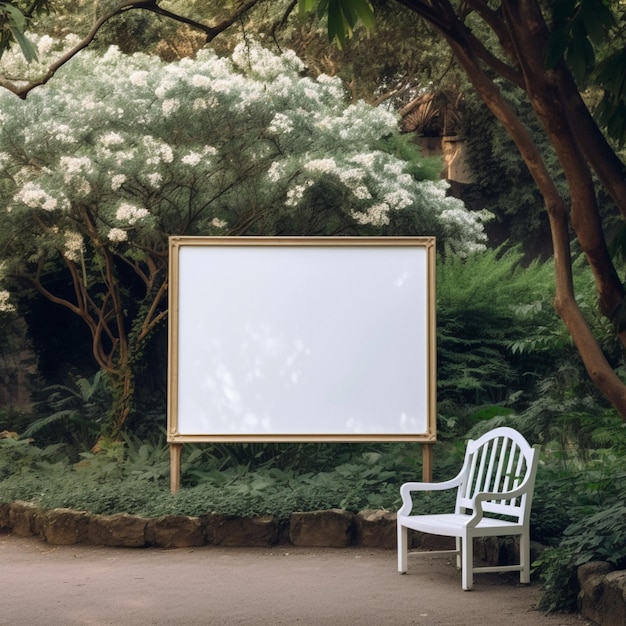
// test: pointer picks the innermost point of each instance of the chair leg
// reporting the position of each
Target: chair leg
(403, 549)
(458, 552)
(524, 558)
(467, 558)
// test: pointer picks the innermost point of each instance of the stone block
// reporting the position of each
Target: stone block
(175, 531)
(5, 522)
(23, 519)
(64, 527)
(330, 529)
(425, 541)
(376, 529)
(232, 530)
(602, 596)
(121, 530)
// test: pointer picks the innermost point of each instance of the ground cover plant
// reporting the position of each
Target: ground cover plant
(238, 479)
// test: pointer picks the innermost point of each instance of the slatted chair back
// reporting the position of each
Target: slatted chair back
(496, 463)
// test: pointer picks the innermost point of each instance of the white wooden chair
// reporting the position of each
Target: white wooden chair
(494, 496)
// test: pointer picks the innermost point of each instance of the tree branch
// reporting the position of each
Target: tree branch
(148, 5)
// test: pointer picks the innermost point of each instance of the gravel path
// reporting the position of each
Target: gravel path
(48, 585)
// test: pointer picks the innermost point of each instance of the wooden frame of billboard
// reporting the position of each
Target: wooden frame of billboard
(213, 278)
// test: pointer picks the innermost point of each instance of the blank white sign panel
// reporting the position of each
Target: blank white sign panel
(313, 338)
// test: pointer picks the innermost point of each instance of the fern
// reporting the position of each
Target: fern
(487, 304)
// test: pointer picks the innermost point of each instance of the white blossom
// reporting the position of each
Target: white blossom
(117, 181)
(322, 166)
(170, 105)
(393, 168)
(159, 151)
(73, 245)
(89, 102)
(166, 85)
(295, 194)
(376, 215)
(362, 193)
(33, 196)
(351, 175)
(365, 159)
(5, 304)
(81, 186)
(71, 165)
(117, 235)
(199, 80)
(155, 179)
(45, 45)
(276, 171)
(263, 63)
(127, 212)
(192, 158)
(281, 124)
(111, 139)
(200, 104)
(139, 78)
(124, 155)
(398, 199)
(63, 133)
(251, 132)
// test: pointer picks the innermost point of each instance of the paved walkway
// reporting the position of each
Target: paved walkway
(85, 585)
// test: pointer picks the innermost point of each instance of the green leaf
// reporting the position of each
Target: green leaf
(339, 24)
(306, 6)
(563, 10)
(611, 74)
(343, 16)
(365, 12)
(15, 17)
(16, 24)
(597, 20)
(580, 59)
(557, 45)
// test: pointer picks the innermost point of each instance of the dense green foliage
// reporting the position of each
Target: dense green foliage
(494, 162)
(132, 476)
(485, 304)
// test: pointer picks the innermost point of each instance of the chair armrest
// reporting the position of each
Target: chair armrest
(477, 506)
(407, 488)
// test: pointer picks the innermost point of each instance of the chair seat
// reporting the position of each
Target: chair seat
(453, 524)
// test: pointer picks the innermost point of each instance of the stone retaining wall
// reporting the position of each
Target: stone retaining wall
(334, 528)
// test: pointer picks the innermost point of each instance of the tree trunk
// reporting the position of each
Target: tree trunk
(123, 388)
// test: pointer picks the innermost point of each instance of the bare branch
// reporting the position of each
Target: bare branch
(22, 90)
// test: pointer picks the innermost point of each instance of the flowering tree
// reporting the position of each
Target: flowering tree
(99, 167)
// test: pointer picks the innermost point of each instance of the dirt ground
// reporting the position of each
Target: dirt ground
(85, 585)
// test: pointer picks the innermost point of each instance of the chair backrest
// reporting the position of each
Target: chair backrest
(500, 461)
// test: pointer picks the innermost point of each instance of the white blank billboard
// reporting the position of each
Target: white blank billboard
(301, 339)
